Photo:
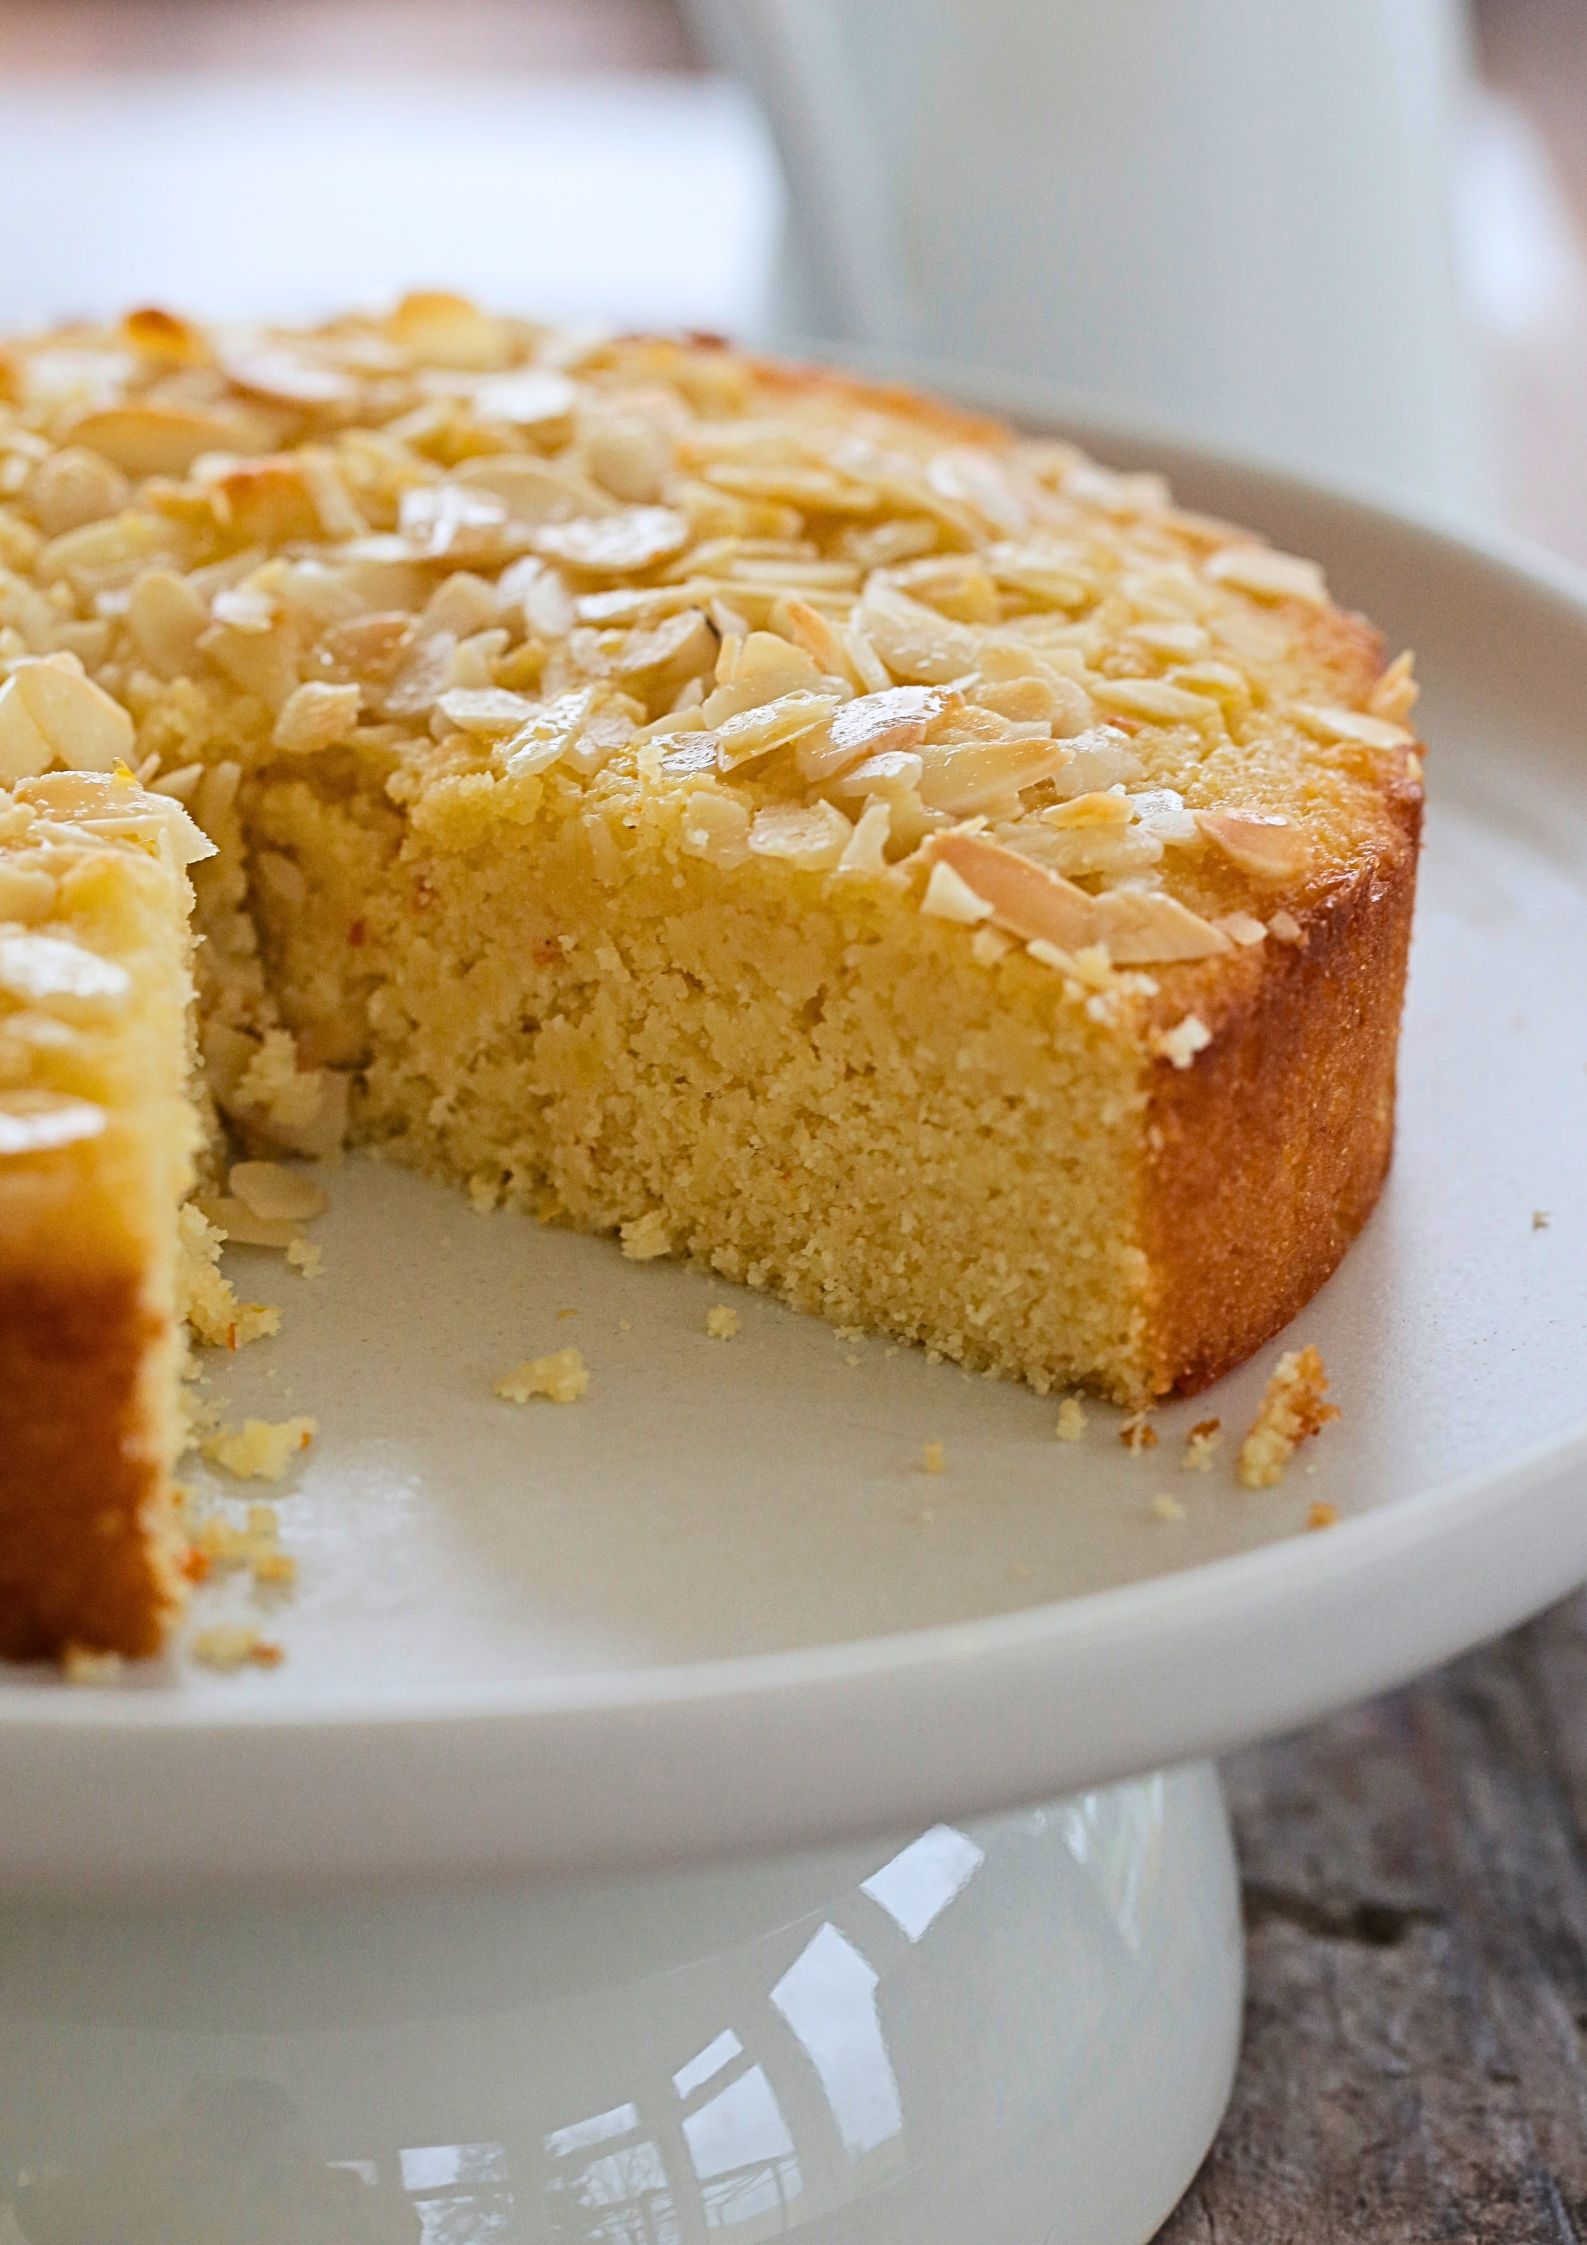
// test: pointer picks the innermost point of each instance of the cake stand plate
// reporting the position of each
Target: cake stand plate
(718, 1608)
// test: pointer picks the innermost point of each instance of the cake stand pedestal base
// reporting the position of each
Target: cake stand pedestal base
(1013, 2031)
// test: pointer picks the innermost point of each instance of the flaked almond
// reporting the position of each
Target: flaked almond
(617, 544)
(442, 329)
(61, 977)
(1355, 725)
(715, 827)
(1242, 928)
(893, 774)
(27, 893)
(1024, 898)
(232, 1216)
(165, 617)
(1152, 699)
(896, 718)
(149, 438)
(42, 1122)
(275, 1192)
(1268, 575)
(287, 377)
(165, 336)
(950, 897)
(1396, 692)
(1148, 927)
(755, 732)
(917, 644)
(811, 835)
(1264, 844)
(50, 711)
(866, 849)
(75, 486)
(315, 716)
(488, 712)
(546, 736)
(962, 778)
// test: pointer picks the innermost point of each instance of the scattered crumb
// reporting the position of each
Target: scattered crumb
(1180, 1045)
(1138, 1433)
(484, 1193)
(1071, 1419)
(1540, 1219)
(210, 1306)
(646, 1237)
(849, 1332)
(561, 1377)
(1292, 1408)
(561, 1314)
(260, 1449)
(1200, 1443)
(304, 1256)
(80, 1664)
(853, 1357)
(1166, 1507)
(1322, 1515)
(232, 1645)
(933, 1457)
(721, 1322)
(625, 1325)
(1020, 1572)
(274, 1570)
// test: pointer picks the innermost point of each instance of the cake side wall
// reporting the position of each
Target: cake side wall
(85, 1558)
(1268, 1153)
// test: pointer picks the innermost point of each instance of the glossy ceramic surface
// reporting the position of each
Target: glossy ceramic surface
(718, 1606)
(1007, 2032)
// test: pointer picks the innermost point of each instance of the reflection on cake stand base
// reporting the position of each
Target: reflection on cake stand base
(1013, 2031)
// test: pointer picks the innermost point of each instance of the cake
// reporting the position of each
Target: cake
(782, 821)
(97, 1139)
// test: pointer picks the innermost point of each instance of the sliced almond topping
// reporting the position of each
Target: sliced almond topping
(315, 716)
(896, 772)
(1147, 927)
(27, 893)
(151, 439)
(631, 539)
(39, 1122)
(446, 330)
(1330, 724)
(486, 711)
(287, 377)
(62, 977)
(1396, 692)
(1241, 927)
(1020, 896)
(715, 827)
(896, 718)
(1153, 699)
(77, 720)
(754, 732)
(963, 778)
(275, 1192)
(1268, 575)
(242, 1226)
(812, 835)
(1260, 843)
(866, 849)
(1283, 927)
(547, 735)
(914, 641)
(949, 897)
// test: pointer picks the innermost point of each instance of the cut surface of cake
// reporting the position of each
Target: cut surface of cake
(97, 1138)
(782, 821)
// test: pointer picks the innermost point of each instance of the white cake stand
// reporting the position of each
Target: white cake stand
(540, 1895)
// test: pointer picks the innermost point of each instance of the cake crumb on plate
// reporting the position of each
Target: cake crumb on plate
(1166, 1507)
(721, 1322)
(1200, 1443)
(1293, 1408)
(1138, 1433)
(562, 1376)
(260, 1449)
(933, 1457)
(232, 1645)
(1071, 1419)
(1321, 1514)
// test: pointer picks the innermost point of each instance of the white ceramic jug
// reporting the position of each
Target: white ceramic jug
(1231, 214)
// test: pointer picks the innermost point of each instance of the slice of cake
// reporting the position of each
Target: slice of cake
(781, 821)
(97, 1138)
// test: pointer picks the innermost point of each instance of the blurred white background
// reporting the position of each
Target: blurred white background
(574, 155)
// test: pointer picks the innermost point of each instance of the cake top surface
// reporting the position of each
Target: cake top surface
(537, 571)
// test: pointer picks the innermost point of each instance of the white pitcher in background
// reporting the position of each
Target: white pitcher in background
(1229, 214)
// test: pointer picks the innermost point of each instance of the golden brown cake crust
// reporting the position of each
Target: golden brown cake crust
(79, 1470)
(1268, 1156)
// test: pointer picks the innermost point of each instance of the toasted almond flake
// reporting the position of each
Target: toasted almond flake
(916, 643)
(61, 976)
(893, 775)
(866, 849)
(1268, 575)
(1264, 844)
(1241, 928)
(148, 438)
(271, 1190)
(1020, 896)
(755, 732)
(546, 736)
(949, 897)
(896, 718)
(315, 716)
(1283, 927)
(487, 711)
(618, 544)
(49, 707)
(1180, 1044)
(812, 836)
(988, 945)
(716, 827)
(1153, 699)
(1396, 692)
(43, 1122)
(1354, 725)
(532, 398)
(1293, 1408)
(562, 1376)
(287, 377)
(1147, 927)
(962, 778)
(236, 1222)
